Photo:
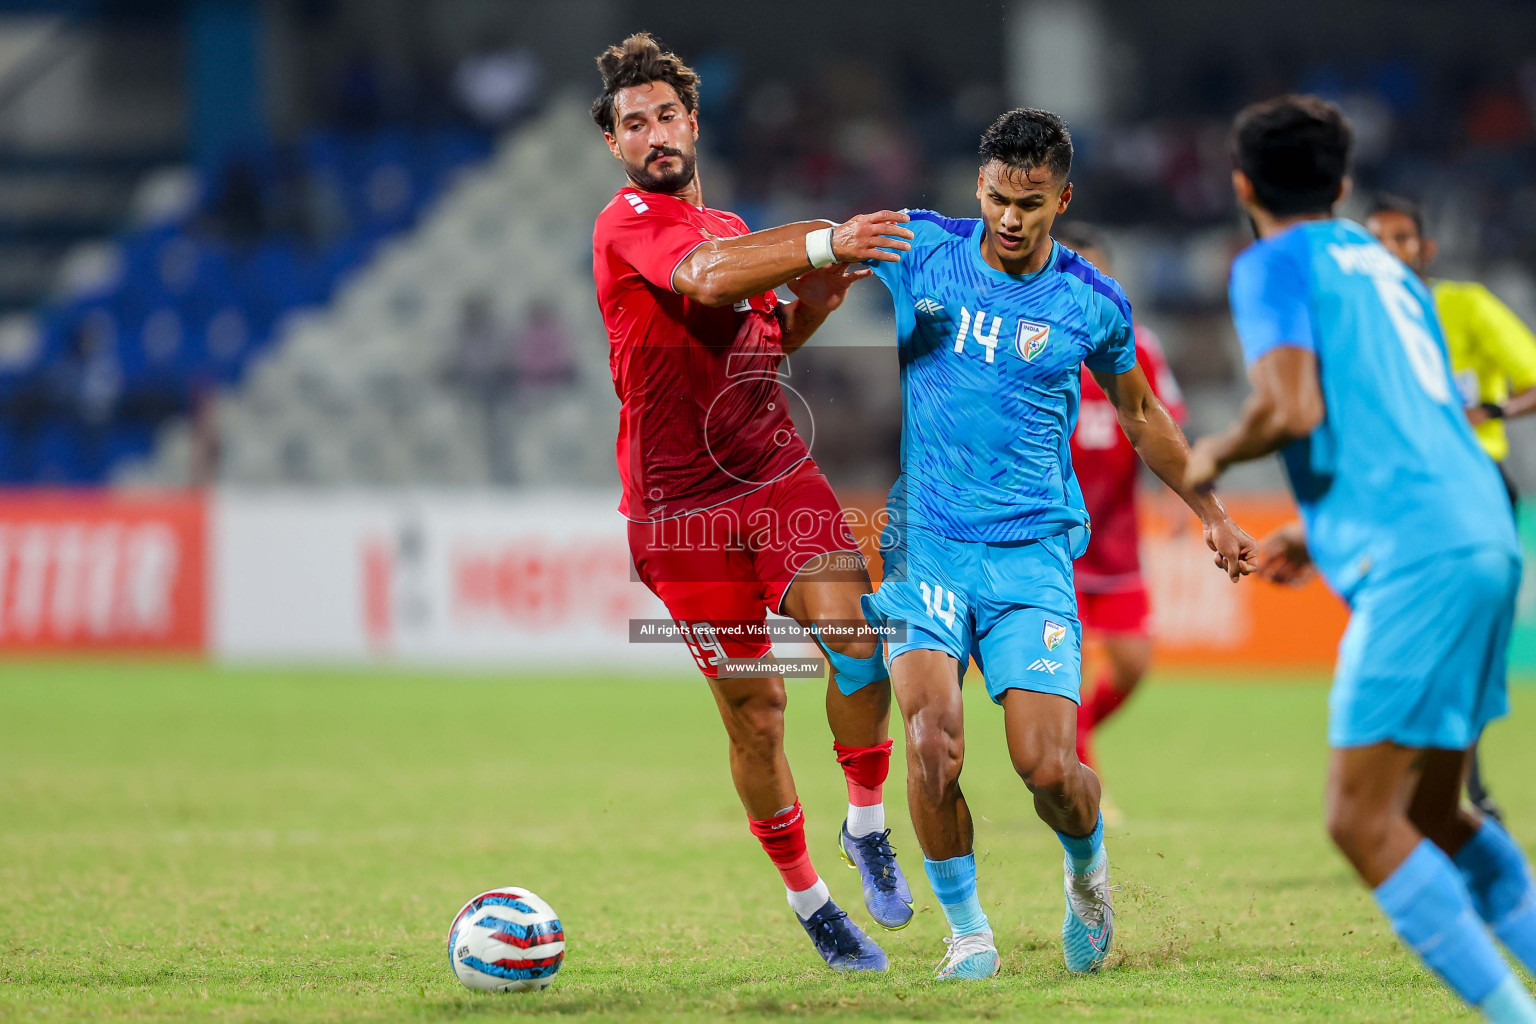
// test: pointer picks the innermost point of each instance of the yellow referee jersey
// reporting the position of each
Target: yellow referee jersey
(1492, 352)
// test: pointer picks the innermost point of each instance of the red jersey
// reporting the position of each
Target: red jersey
(703, 417)
(1106, 467)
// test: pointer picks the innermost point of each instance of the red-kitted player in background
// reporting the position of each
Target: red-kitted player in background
(1111, 592)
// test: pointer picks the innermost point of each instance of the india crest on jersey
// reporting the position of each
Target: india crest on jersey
(1031, 338)
(1053, 634)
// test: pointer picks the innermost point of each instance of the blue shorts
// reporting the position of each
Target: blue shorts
(1009, 605)
(1423, 661)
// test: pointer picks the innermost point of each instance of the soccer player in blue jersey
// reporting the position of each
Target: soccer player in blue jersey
(994, 319)
(1403, 514)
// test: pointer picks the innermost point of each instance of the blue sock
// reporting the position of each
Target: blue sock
(1083, 849)
(1432, 913)
(1498, 877)
(1510, 1003)
(954, 884)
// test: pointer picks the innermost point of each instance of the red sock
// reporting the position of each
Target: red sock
(1101, 703)
(865, 768)
(1085, 745)
(783, 839)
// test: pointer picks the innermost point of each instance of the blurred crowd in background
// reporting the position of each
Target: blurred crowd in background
(394, 255)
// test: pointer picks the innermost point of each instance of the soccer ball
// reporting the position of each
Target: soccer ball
(506, 940)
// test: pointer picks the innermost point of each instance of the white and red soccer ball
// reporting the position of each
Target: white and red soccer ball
(506, 940)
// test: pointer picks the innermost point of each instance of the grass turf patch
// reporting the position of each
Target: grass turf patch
(181, 842)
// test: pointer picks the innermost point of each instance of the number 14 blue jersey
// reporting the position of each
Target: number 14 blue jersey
(989, 379)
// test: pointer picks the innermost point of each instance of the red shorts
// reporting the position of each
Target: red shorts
(1124, 611)
(720, 571)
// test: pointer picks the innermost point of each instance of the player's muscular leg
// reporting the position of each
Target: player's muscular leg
(927, 685)
(827, 592)
(1369, 792)
(1436, 809)
(1042, 741)
(753, 713)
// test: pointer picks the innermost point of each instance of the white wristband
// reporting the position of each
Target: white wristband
(818, 246)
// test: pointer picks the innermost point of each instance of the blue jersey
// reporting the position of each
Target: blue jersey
(1394, 473)
(989, 380)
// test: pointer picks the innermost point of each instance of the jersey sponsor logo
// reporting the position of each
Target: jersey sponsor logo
(929, 307)
(635, 201)
(1030, 340)
(1053, 634)
(1043, 665)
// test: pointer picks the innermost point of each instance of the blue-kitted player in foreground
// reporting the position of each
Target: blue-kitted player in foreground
(1404, 516)
(994, 319)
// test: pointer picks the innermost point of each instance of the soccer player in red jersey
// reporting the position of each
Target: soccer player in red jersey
(729, 517)
(1111, 594)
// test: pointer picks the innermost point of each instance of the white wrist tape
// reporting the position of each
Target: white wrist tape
(818, 247)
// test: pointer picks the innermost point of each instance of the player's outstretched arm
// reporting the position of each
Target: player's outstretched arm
(1161, 445)
(1286, 405)
(723, 271)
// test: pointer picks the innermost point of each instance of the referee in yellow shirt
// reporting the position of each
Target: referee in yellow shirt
(1493, 355)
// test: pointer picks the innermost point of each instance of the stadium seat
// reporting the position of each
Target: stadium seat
(359, 389)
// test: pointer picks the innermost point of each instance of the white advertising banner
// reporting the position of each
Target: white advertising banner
(509, 579)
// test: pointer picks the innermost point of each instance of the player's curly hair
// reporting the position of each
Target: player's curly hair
(640, 60)
(1295, 150)
(1026, 138)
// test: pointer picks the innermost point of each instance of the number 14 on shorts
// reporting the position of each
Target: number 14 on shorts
(933, 600)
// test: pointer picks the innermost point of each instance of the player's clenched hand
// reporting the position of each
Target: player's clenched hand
(1284, 558)
(871, 236)
(1236, 552)
(826, 288)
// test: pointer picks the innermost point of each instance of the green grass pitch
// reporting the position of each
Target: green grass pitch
(179, 842)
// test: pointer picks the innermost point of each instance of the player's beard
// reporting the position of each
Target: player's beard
(674, 181)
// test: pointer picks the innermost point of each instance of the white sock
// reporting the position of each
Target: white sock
(864, 820)
(807, 901)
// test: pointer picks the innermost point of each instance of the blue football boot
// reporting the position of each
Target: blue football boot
(885, 888)
(841, 943)
(1088, 928)
(970, 957)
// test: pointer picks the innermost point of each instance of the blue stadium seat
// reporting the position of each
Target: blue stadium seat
(11, 463)
(190, 310)
(58, 455)
(127, 441)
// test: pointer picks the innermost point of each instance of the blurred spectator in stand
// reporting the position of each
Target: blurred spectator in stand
(238, 213)
(206, 443)
(89, 382)
(86, 390)
(1497, 117)
(542, 355)
(497, 84)
(360, 93)
(484, 370)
